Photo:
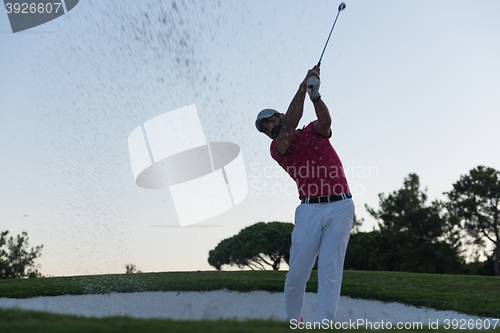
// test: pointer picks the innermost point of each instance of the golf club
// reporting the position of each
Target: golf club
(341, 7)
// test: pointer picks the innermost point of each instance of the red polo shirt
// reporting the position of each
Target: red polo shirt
(313, 163)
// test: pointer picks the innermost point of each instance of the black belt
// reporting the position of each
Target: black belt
(325, 198)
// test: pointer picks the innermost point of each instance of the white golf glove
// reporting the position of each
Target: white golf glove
(313, 86)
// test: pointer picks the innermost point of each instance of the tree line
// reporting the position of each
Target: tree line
(16, 259)
(412, 234)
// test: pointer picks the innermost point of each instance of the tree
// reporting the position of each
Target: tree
(131, 269)
(15, 260)
(254, 247)
(413, 236)
(356, 224)
(474, 204)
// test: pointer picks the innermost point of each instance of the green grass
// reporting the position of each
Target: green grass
(34, 322)
(473, 295)
(170, 281)
(470, 294)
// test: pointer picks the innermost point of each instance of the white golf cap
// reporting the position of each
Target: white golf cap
(266, 113)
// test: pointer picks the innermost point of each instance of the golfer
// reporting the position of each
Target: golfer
(324, 218)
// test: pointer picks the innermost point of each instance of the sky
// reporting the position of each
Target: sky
(412, 87)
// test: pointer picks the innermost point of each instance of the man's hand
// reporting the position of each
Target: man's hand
(313, 84)
(314, 72)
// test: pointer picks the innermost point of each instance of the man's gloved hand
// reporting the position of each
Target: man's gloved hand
(313, 86)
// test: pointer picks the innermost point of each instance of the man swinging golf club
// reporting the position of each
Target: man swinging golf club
(323, 220)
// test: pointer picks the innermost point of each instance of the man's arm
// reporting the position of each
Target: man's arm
(323, 124)
(292, 118)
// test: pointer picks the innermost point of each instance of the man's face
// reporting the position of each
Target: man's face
(272, 125)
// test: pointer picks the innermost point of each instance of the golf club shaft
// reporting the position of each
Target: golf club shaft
(319, 63)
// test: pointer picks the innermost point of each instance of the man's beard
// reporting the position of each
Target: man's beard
(276, 129)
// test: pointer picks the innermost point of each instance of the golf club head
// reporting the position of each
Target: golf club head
(341, 6)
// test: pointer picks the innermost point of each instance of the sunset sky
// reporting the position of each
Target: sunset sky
(412, 87)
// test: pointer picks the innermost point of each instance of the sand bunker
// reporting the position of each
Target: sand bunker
(224, 305)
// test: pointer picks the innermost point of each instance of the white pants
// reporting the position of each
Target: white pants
(320, 229)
